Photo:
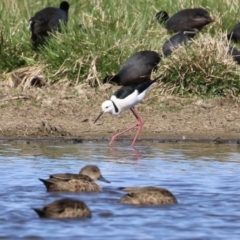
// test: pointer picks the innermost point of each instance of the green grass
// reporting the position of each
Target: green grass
(110, 32)
(202, 68)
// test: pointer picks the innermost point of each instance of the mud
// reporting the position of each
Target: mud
(64, 112)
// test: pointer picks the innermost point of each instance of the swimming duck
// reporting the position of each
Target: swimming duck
(147, 196)
(82, 182)
(64, 208)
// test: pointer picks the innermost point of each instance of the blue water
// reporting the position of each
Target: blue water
(205, 178)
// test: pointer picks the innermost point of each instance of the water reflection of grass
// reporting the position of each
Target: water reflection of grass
(93, 152)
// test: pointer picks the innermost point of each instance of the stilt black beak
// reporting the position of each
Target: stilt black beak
(99, 116)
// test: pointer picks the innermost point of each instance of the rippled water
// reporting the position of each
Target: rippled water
(205, 178)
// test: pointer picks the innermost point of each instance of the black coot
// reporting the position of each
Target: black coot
(235, 33)
(47, 20)
(185, 20)
(177, 40)
(136, 69)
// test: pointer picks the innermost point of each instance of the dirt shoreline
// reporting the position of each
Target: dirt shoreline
(63, 112)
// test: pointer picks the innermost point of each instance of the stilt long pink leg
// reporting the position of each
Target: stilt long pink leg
(139, 124)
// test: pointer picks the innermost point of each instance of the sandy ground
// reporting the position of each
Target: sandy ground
(62, 111)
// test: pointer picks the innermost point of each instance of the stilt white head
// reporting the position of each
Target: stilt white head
(107, 107)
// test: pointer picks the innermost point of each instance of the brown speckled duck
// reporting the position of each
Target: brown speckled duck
(147, 196)
(82, 182)
(64, 208)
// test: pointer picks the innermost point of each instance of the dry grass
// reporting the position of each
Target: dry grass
(100, 36)
(26, 77)
(204, 67)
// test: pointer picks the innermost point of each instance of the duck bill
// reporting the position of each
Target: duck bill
(101, 178)
(99, 116)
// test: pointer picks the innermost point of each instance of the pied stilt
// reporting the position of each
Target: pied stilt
(126, 98)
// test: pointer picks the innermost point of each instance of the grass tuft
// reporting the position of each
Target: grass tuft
(26, 77)
(202, 68)
(101, 35)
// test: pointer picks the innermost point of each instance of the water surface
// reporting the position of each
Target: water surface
(204, 177)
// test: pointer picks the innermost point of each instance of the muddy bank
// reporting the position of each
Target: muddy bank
(68, 112)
